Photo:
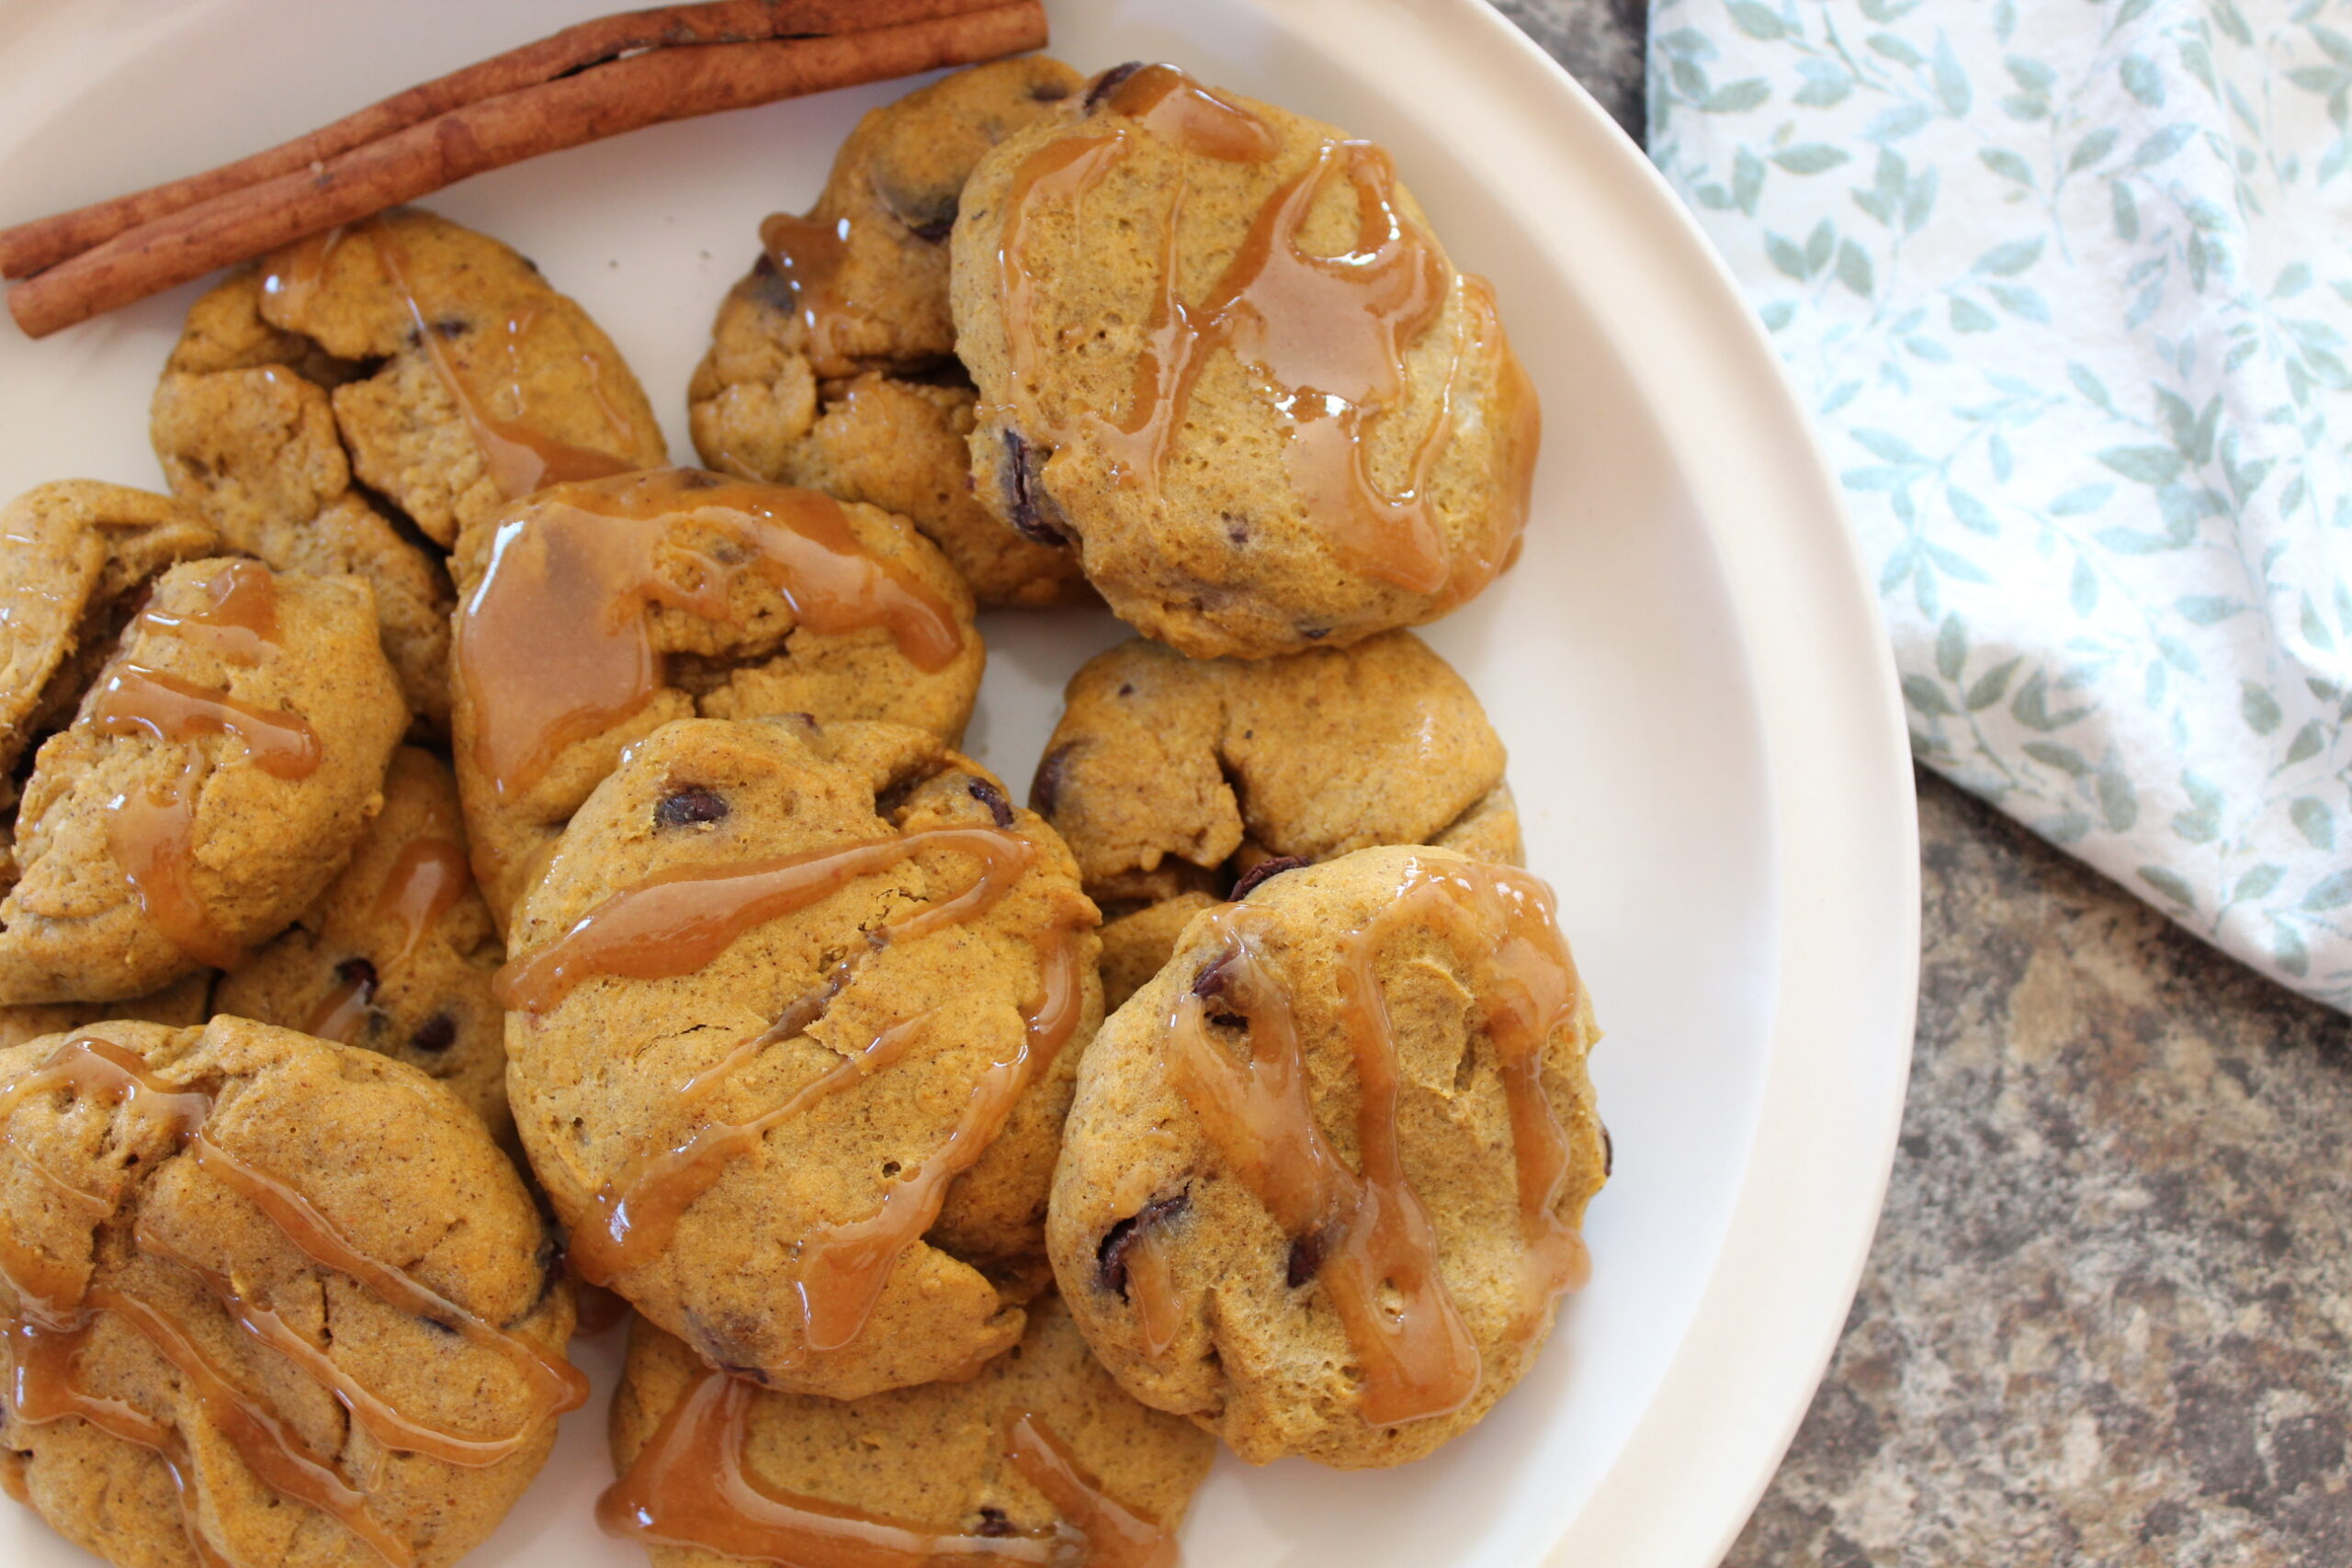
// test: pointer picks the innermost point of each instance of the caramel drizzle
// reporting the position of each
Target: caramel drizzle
(689, 1487)
(428, 882)
(1151, 1286)
(678, 922)
(520, 458)
(55, 1311)
(1325, 334)
(240, 625)
(553, 644)
(167, 709)
(808, 255)
(1418, 1360)
(342, 1011)
(152, 833)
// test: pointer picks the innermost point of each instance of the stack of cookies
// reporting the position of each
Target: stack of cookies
(457, 860)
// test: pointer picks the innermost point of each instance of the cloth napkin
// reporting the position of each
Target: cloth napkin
(2067, 284)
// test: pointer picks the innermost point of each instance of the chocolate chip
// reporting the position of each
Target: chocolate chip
(689, 806)
(357, 972)
(1263, 871)
(1315, 634)
(988, 795)
(1210, 982)
(1608, 1153)
(436, 1034)
(1048, 92)
(1126, 688)
(1229, 1021)
(1110, 1257)
(1305, 1260)
(1237, 529)
(934, 232)
(449, 326)
(993, 1522)
(1108, 83)
(1045, 789)
(1032, 513)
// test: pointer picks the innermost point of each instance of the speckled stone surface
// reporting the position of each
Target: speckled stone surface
(2107, 1316)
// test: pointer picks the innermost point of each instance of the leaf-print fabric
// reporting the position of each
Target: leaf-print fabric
(2068, 287)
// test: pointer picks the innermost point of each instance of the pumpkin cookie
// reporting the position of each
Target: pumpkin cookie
(1171, 777)
(795, 1013)
(398, 378)
(1218, 348)
(213, 782)
(1326, 1173)
(300, 1311)
(831, 361)
(678, 593)
(73, 555)
(185, 1001)
(1042, 1445)
(397, 958)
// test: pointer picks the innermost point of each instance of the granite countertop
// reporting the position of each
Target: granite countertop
(2106, 1317)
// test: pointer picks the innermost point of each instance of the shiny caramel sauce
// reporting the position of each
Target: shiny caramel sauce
(151, 833)
(553, 644)
(1151, 1286)
(675, 921)
(239, 624)
(342, 1012)
(689, 1487)
(162, 706)
(520, 460)
(424, 884)
(678, 922)
(808, 255)
(1325, 336)
(56, 1308)
(1379, 1266)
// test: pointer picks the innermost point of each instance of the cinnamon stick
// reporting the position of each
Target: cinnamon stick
(604, 100)
(29, 248)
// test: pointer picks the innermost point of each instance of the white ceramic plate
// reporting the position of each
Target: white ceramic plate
(1686, 664)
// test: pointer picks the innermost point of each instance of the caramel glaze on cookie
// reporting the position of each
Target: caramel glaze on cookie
(795, 1012)
(267, 1300)
(351, 403)
(397, 956)
(217, 775)
(595, 613)
(1041, 1460)
(831, 362)
(1218, 348)
(1170, 778)
(1325, 1175)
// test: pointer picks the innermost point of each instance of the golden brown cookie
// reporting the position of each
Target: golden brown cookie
(795, 1013)
(1171, 776)
(1326, 1173)
(1042, 1449)
(213, 782)
(826, 362)
(678, 592)
(396, 958)
(312, 415)
(1218, 348)
(268, 1300)
(185, 1001)
(73, 555)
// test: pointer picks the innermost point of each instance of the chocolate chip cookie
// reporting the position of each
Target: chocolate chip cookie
(1040, 1451)
(398, 376)
(185, 1001)
(73, 557)
(794, 1016)
(1218, 348)
(678, 592)
(268, 1300)
(831, 364)
(397, 956)
(216, 776)
(1172, 777)
(1326, 1173)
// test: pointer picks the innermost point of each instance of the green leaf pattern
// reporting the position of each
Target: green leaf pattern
(2069, 288)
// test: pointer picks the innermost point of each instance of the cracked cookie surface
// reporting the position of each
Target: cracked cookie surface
(831, 364)
(267, 1221)
(795, 1012)
(1172, 777)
